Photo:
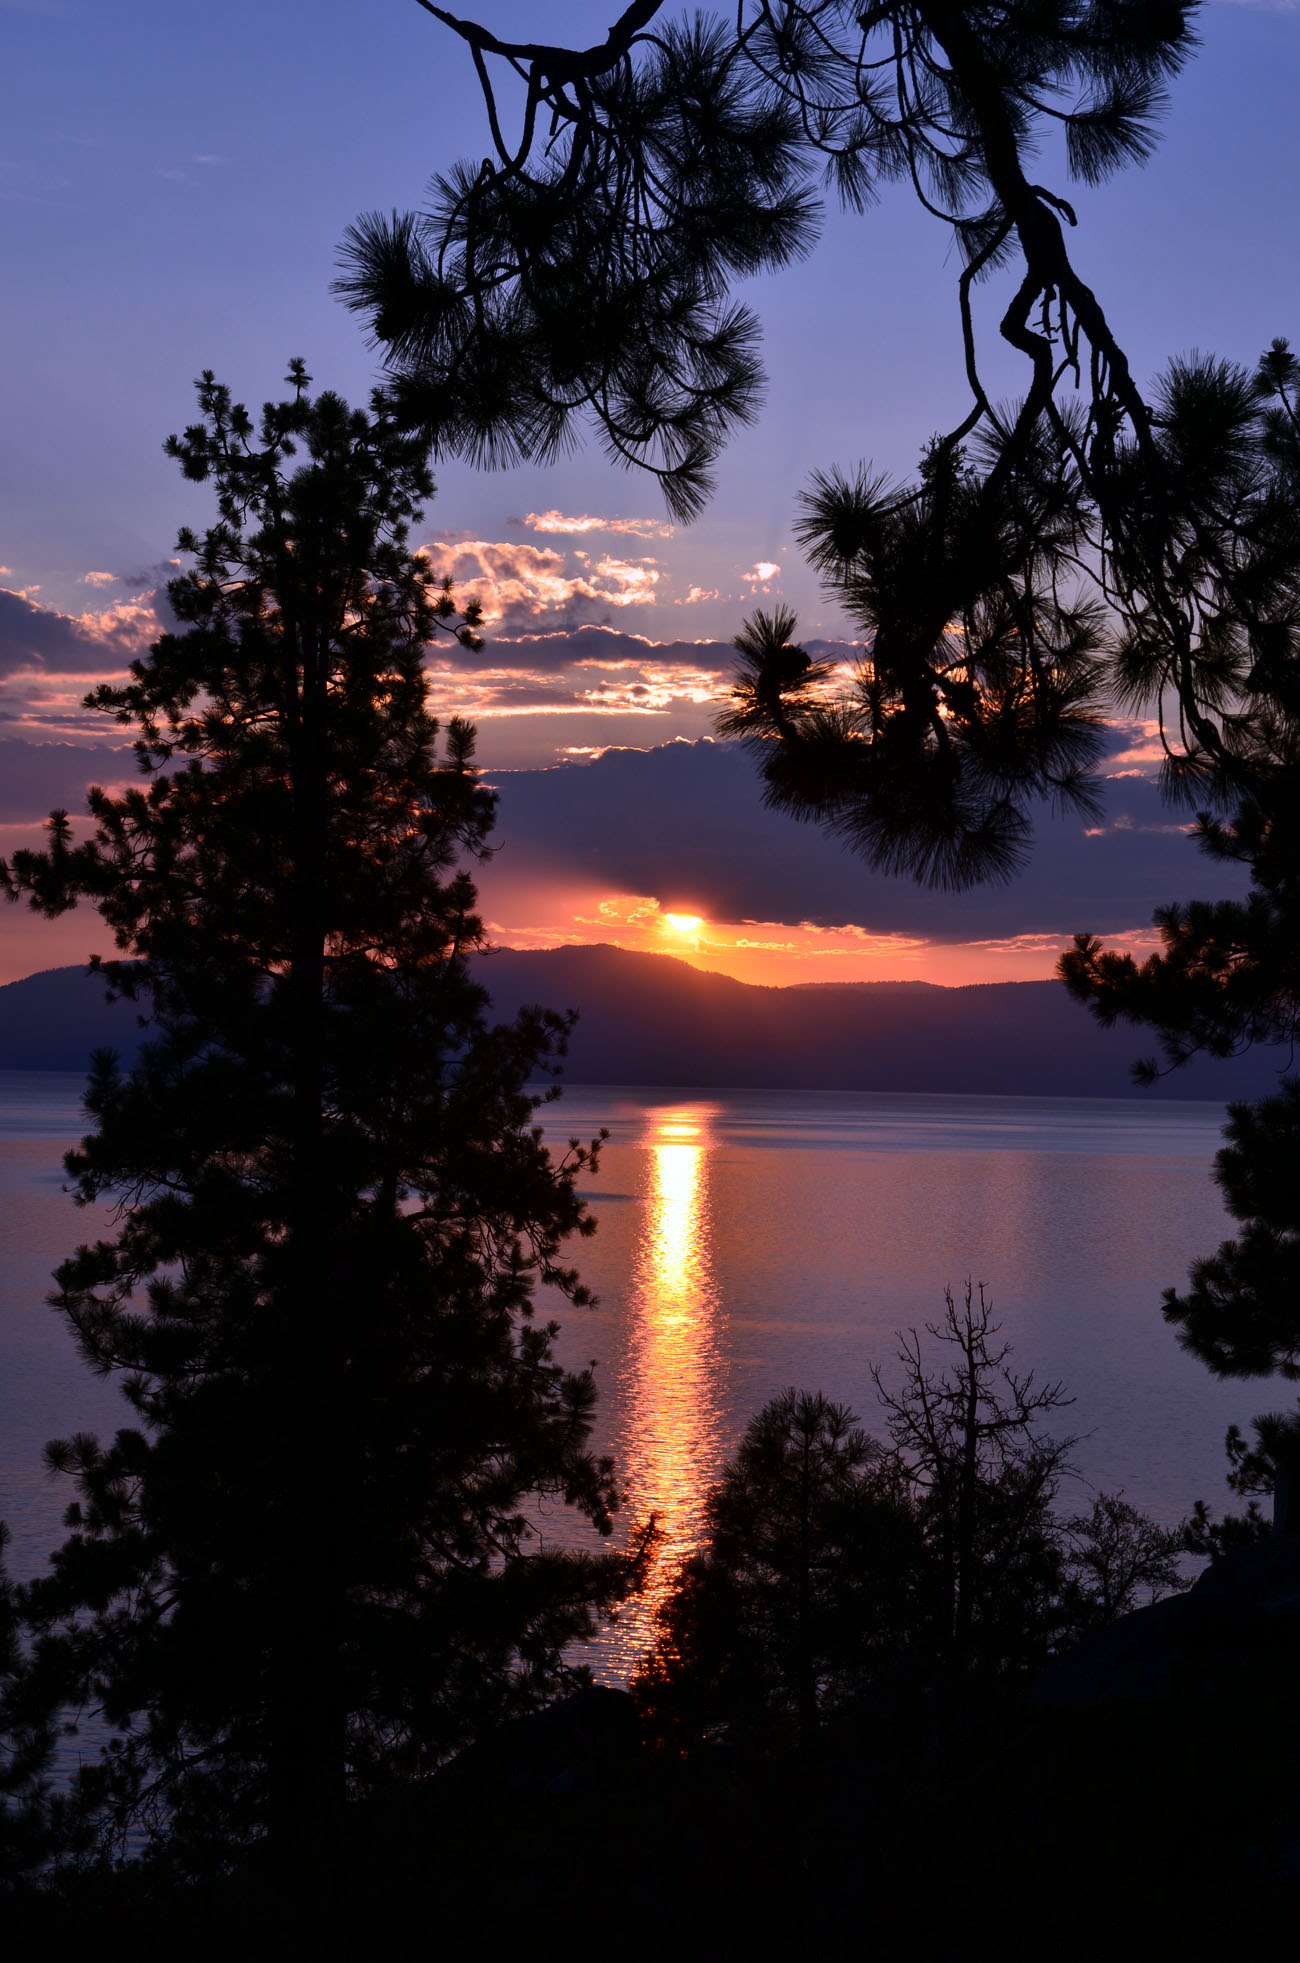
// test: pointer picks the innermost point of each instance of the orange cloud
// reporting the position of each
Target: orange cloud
(761, 951)
(770, 953)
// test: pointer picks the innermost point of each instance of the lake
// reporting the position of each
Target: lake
(748, 1241)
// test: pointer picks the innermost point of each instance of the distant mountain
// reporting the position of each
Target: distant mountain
(52, 1021)
(650, 1019)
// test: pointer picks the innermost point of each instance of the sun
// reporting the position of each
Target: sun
(684, 923)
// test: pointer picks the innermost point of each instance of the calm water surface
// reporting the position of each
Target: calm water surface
(750, 1240)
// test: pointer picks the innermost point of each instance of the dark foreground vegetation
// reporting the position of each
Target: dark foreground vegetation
(985, 1828)
(303, 1567)
(1136, 1799)
(898, 1703)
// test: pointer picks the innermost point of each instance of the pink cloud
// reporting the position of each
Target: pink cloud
(40, 639)
(37, 777)
(556, 521)
(512, 581)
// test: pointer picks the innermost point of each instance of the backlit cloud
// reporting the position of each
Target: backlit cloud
(557, 522)
(606, 647)
(92, 644)
(513, 582)
(684, 825)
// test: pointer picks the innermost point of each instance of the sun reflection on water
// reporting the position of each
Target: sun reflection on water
(672, 1393)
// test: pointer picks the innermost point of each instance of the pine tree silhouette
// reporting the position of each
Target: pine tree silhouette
(307, 1568)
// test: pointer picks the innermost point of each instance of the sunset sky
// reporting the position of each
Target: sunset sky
(174, 184)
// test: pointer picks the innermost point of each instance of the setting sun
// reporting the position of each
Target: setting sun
(683, 923)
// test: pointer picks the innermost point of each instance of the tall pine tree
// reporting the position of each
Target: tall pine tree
(307, 1567)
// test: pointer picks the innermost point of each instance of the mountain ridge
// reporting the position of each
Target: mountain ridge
(654, 1020)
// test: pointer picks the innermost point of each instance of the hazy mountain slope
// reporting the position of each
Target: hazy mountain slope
(52, 1021)
(650, 1019)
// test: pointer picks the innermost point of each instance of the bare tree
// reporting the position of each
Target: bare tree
(984, 1469)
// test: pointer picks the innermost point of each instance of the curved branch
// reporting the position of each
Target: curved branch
(561, 64)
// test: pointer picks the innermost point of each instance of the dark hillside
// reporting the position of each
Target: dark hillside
(52, 1021)
(651, 1019)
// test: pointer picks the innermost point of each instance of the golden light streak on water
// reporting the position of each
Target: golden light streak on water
(670, 1451)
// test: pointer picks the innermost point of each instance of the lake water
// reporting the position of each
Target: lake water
(749, 1241)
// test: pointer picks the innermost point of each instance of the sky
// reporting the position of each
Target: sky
(173, 189)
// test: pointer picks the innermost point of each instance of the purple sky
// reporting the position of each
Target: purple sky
(173, 187)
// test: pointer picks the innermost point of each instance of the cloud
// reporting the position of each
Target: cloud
(93, 643)
(612, 647)
(515, 583)
(685, 823)
(759, 579)
(99, 579)
(584, 689)
(530, 648)
(557, 522)
(37, 778)
(599, 673)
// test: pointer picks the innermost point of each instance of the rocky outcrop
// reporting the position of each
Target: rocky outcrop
(1242, 1615)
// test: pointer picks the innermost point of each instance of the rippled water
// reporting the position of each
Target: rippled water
(748, 1241)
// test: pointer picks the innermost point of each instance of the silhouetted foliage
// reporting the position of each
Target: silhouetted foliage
(307, 1568)
(1241, 1314)
(986, 661)
(976, 693)
(1252, 1472)
(1225, 975)
(808, 1573)
(652, 170)
(26, 1746)
(833, 1564)
(984, 1473)
(1119, 1559)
